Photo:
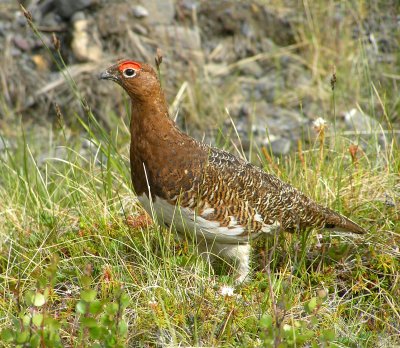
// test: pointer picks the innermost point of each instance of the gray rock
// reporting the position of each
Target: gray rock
(217, 69)
(296, 76)
(4, 28)
(266, 88)
(78, 16)
(161, 11)
(358, 121)
(280, 146)
(114, 19)
(187, 43)
(15, 52)
(221, 50)
(66, 8)
(247, 30)
(367, 128)
(267, 125)
(251, 20)
(53, 20)
(270, 85)
(140, 11)
(286, 121)
(140, 29)
(86, 44)
(189, 5)
(22, 43)
(251, 69)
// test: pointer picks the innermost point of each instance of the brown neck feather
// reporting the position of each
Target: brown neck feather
(154, 138)
(149, 118)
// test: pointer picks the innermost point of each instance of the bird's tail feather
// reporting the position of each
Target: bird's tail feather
(340, 223)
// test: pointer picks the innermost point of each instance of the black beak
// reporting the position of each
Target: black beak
(106, 75)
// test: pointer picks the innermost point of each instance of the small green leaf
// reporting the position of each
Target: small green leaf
(81, 307)
(111, 341)
(39, 300)
(263, 285)
(26, 320)
(329, 335)
(107, 319)
(53, 324)
(95, 332)
(88, 295)
(7, 335)
(46, 292)
(266, 321)
(34, 341)
(95, 307)
(37, 319)
(22, 337)
(112, 308)
(89, 322)
(29, 296)
(42, 281)
(124, 301)
(86, 281)
(311, 305)
(298, 324)
(123, 328)
(314, 320)
(305, 336)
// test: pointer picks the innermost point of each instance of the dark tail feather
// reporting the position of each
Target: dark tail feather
(340, 223)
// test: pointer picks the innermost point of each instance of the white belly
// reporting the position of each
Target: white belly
(186, 220)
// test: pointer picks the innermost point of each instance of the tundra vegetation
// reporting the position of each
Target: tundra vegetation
(82, 265)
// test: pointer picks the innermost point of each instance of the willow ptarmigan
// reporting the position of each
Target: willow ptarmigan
(221, 200)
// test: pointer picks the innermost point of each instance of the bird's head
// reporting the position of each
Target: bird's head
(138, 79)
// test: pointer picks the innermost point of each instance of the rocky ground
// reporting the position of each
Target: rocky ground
(228, 59)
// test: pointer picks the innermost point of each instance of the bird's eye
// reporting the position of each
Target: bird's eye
(129, 72)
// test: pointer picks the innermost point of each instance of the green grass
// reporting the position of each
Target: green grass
(80, 213)
(82, 265)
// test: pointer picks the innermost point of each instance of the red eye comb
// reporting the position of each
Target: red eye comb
(129, 64)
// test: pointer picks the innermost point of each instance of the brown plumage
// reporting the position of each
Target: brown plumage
(223, 201)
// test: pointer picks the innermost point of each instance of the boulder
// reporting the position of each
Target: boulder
(67, 8)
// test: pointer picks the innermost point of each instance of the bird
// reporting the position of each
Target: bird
(219, 200)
